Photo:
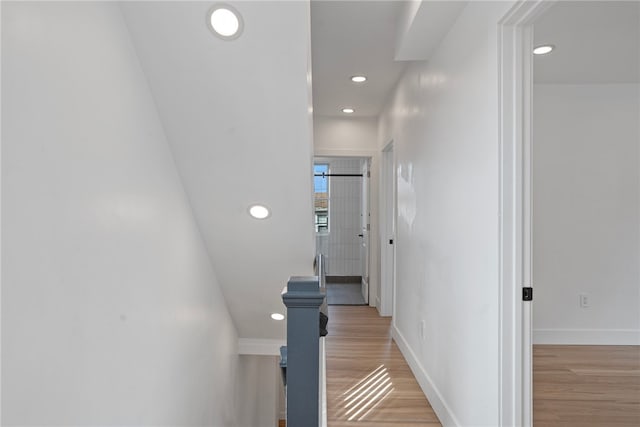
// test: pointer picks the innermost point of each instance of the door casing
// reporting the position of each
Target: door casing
(388, 233)
(515, 45)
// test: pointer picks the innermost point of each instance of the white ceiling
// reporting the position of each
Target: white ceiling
(351, 38)
(596, 42)
(374, 38)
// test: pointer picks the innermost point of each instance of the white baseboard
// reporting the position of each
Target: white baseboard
(587, 336)
(439, 405)
(260, 347)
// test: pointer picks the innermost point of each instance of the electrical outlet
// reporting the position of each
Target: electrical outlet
(584, 301)
(423, 327)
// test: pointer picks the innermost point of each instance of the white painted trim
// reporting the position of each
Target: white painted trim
(587, 336)
(1, 293)
(387, 230)
(323, 383)
(344, 153)
(260, 347)
(510, 385)
(515, 325)
(443, 411)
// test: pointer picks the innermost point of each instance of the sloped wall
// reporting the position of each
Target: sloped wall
(237, 115)
(111, 311)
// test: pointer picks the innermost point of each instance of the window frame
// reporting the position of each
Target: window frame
(324, 230)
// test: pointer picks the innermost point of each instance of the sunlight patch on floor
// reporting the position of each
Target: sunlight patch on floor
(361, 399)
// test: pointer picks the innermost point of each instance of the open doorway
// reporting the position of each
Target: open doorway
(342, 225)
(569, 226)
(586, 214)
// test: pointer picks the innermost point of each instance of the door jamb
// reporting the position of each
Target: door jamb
(515, 44)
(387, 308)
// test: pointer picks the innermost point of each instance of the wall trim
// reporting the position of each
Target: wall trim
(439, 405)
(515, 68)
(587, 336)
(330, 152)
(260, 347)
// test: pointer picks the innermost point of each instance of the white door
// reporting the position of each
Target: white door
(364, 230)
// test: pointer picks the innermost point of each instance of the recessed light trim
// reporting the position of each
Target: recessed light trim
(225, 21)
(543, 49)
(358, 79)
(277, 316)
(259, 211)
(348, 110)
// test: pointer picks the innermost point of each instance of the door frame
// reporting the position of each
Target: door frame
(374, 250)
(388, 190)
(515, 45)
(365, 225)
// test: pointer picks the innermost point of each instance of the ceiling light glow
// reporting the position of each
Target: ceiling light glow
(543, 50)
(358, 79)
(277, 316)
(225, 21)
(348, 110)
(259, 211)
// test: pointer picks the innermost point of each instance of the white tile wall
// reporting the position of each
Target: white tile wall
(341, 246)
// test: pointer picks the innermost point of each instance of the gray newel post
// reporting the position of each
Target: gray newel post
(303, 299)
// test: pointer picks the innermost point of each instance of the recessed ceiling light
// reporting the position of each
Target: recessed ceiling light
(543, 50)
(348, 110)
(358, 79)
(277, 316)
(225, 21)
(259, 211)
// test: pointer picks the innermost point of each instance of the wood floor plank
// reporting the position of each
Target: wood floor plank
(370, 384)
(368, 380)
(586, 386)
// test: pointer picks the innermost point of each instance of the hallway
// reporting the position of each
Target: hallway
(368, 380)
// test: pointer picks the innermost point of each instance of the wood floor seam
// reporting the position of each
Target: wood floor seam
(369, 382)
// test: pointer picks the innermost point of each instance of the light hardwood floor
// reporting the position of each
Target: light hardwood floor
(586, 386)
(369, 384)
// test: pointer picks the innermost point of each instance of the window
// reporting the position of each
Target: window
(321, 197)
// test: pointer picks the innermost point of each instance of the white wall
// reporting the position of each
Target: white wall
(111, 312)
(341, 245)
(586, 218)
(344, 134)
(443, 119)
(259, 384)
